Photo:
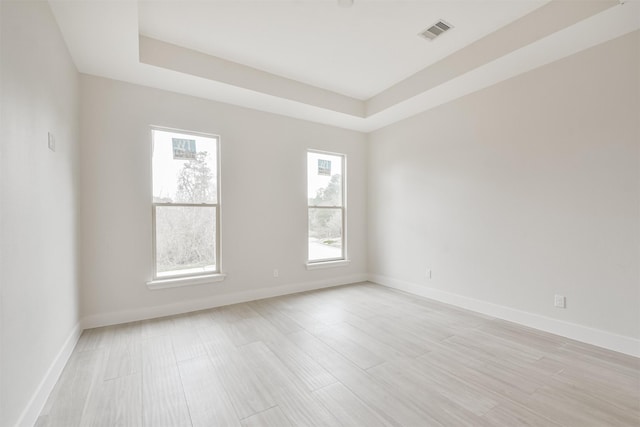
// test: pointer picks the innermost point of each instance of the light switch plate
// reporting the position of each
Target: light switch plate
(51, 141)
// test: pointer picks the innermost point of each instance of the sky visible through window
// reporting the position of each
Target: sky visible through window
(316, 181)
(166, 168)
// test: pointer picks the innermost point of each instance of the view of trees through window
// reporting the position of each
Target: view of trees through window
(325, 205)
(185, 201)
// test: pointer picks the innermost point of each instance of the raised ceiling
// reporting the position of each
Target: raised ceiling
(357, 51)
(361, 68)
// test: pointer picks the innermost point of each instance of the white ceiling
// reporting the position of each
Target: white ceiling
(360, 68)
(357, 51)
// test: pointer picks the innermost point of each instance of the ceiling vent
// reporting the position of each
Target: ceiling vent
(436, 30)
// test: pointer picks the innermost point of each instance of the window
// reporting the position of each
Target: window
(186, 205)
(326, 206)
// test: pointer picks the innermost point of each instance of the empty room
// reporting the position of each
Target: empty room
(319, 212)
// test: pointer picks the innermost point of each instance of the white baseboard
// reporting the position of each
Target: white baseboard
(30, 414)
(107, 319)
(33, 409)
(574, 331)
(597, 337)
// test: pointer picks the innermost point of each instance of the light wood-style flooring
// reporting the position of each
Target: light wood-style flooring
(357, 355)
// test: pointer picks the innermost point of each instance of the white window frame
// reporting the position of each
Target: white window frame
(201, 277)
(329, 262)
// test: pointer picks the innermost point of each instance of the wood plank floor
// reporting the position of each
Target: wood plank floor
(357, 355)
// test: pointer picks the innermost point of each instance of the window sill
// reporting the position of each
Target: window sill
(178, 282)
(327, 264)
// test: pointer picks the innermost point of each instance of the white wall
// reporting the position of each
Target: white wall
(263, 200)
(524, 190)
(510, 195)
(39, 292)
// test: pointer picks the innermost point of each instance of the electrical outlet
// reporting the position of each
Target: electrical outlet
(429, 275)
(276, 273)
(51, 141)
(560, 301)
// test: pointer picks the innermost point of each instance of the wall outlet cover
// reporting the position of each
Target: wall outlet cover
(560, 301)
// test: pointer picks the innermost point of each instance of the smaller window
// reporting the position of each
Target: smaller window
(186, 205)
(326, 206)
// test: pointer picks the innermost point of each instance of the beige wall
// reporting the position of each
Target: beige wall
(38, 279)
(524, 190)
(263, 181)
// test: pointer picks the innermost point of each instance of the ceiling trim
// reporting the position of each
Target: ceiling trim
(608, 25)
(177, 58)
(542, 22)
(564, 28)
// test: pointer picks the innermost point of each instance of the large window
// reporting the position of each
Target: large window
(326, 206)
(186, 206)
